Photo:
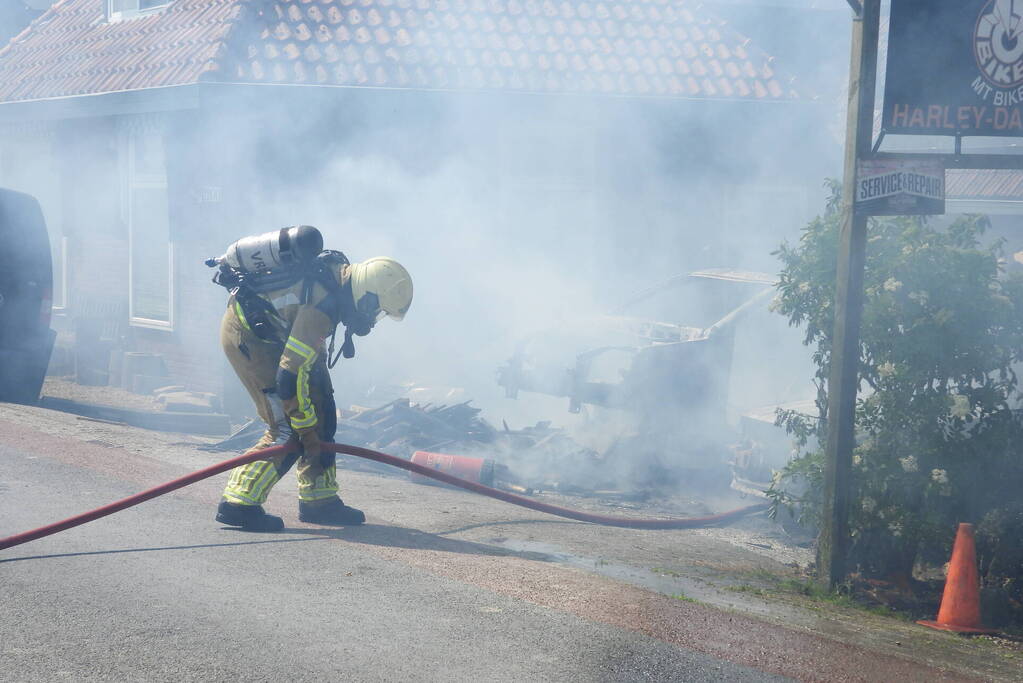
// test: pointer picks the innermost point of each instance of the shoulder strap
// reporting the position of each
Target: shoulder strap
(333, 305)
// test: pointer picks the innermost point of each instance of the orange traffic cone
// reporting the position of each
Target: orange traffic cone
(960, 602)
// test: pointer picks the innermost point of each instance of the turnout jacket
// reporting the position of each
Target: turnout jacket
(301, 329)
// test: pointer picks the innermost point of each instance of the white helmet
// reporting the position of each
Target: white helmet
(387, 280)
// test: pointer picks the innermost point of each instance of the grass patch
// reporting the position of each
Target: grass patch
(1007, 643)
(817, 593)
(764, 575)
(667, 572)
(810, 589)
(683, 597)
(771, 584)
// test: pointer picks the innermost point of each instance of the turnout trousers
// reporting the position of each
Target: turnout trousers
(255, 361)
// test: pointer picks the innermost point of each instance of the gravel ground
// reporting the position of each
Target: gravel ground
(61, 387)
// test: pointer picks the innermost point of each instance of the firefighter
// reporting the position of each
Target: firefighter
(274, 339)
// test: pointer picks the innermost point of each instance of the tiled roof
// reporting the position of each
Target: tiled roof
(71, 50)
(623, 47)
(672, 48)
(984, 184)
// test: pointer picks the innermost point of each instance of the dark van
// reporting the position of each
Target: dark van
(26, 295)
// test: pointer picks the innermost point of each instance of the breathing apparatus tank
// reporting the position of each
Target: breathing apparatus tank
(262, 263)
(269, 261)
(275, 249)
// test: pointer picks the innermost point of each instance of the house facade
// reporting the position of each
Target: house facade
(156, 132)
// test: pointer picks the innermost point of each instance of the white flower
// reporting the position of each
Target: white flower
(895, 528)
(857, 460)
(909, 463)
(940, 477)
(886, 369)
(869, 504)
(892, 285)
(960, 406)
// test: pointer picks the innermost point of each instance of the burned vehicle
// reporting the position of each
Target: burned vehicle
(683, 402)
(26, 293)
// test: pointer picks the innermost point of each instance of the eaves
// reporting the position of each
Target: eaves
(167, 98)
(991, 207)
(198, 95)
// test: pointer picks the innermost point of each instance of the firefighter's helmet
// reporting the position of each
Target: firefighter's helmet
(383, 285)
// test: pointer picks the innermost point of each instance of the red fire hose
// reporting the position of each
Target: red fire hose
(685, 523)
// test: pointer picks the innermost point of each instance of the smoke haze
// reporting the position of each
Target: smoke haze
(517, 215)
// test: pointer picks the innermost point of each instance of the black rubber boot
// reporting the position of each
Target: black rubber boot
(248, 517)
(330, 512)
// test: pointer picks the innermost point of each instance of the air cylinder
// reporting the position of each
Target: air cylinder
(275, 249)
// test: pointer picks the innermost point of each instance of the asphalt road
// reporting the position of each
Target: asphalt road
(161, 592)
(187, 600)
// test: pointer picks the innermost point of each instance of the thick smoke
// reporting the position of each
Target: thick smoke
(523, 218)
(519, 215)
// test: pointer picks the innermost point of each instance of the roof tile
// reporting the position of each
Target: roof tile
(646, 47)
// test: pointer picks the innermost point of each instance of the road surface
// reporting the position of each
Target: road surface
(437, 586)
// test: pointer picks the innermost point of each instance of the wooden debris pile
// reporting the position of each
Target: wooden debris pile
(397, 428)
(539, 457)
(402, 428)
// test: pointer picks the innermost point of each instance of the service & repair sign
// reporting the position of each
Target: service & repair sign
(900, 187)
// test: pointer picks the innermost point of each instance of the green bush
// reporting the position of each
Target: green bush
(1000, 555)
(937, 431)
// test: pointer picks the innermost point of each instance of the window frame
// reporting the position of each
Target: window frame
(132, 180)
(114, 16)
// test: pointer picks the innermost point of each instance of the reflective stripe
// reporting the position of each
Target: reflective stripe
(307, 416)
(304, 422)
(302, 349)
(305, 404)
(250, 484)
(325, 486)
(239, 498)
(312, 495)
(262, 486)
(241, 316)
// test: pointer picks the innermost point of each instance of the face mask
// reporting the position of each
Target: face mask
(367, 314)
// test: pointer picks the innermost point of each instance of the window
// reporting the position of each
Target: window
(123, 9)
(144, 206)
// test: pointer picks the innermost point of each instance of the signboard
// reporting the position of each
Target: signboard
(895, 188)
(207, 194)
(955, 67)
